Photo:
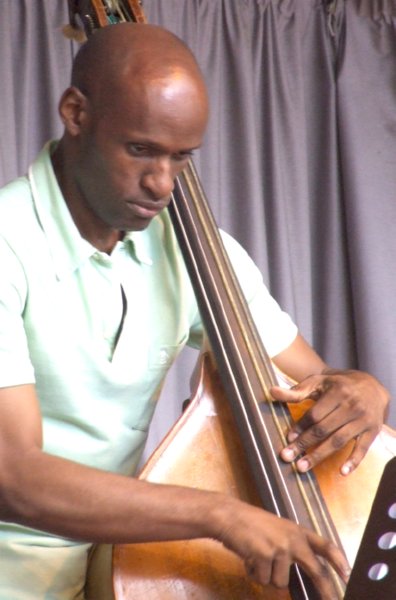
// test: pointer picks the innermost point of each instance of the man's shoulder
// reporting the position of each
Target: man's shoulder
(18, 219)
(19, 186)
(14, 197)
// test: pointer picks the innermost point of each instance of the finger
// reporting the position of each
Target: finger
(321, 443)
(260, 573)
(320, 571)
(310, 388)
(359, 451)
(322, 419)
(334, 442)
(322, 409)
(323, 581)
(280, 573)
(326, 428)
(333, 555)
(285, 394)
(314, 429)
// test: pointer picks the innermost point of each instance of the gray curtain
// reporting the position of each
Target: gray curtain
(298, 161)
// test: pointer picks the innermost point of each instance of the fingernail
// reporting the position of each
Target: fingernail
(346, 573)
(303, 465)
(346, 469)
(291, 436)
(288, 454)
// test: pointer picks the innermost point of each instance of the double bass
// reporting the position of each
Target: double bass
(229, 437)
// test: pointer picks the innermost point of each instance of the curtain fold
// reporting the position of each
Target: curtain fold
(366, 87)
(35, 61)
(298, 162)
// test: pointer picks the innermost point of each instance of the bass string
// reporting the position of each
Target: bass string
(198, 203)
(253, 344)
(203, 292)
(300, 579)
(206, 220)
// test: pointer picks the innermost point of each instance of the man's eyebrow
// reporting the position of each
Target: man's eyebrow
(159, 147)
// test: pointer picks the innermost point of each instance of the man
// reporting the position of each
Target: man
(93, 296)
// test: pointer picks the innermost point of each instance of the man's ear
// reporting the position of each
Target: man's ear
(73, 110)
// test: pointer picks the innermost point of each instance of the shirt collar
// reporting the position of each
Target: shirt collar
(69, 250)
(139, 243)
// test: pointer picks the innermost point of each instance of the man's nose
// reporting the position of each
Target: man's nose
(159, 180)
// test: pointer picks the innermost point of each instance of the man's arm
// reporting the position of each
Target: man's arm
(69, 499)
(348, 405)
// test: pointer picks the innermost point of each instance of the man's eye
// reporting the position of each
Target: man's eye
(138, 149)
(180, 156)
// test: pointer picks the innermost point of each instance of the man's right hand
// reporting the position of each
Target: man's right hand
(269, 545)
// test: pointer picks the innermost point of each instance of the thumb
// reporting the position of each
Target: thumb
(288, 394)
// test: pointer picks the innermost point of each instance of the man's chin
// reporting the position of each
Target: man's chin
(138, 225)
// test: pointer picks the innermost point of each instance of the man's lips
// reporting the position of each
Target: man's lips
(147, 210)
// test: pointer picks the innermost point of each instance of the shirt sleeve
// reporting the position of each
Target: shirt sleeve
(275, 326)
(15, 365)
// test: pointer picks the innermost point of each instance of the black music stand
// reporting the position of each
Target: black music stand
(373, 575)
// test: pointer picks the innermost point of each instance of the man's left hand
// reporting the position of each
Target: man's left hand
(348, 405)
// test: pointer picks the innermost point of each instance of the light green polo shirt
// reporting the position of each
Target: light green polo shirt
(61, 307)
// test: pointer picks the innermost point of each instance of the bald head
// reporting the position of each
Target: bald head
(135, 112)
(128, 53)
